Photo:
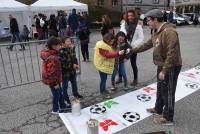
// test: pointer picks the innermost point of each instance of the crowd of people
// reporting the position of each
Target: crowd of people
(110, 55)
(61, 25)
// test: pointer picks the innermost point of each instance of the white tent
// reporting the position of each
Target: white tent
(54, 5)
(12, 6)
(17, 10)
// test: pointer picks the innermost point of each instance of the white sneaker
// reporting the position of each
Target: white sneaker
(57, 112)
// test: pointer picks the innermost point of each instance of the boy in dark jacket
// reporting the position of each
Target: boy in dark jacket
(69, 66)
(52, 74)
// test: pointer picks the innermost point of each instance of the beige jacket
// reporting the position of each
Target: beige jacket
(166, 45)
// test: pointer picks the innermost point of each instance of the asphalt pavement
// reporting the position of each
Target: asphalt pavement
(26, 109)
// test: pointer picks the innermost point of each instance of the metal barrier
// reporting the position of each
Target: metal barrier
(24, 67)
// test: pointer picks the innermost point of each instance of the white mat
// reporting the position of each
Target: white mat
(130, 108)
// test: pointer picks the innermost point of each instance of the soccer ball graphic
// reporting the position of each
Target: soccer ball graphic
(97, 109)
(144, 97)
(131, 116)
(198, 73)
(192, 85)
(197, 68)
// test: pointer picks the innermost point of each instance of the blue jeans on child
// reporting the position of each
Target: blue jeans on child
(103, 77)
(122, 71)
(57, 99)
(72, 79)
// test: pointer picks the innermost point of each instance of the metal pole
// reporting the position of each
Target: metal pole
(174, 8)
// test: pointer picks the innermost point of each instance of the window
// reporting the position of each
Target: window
(100, 2)
(114, 2)
(138, 1)
(155, 1)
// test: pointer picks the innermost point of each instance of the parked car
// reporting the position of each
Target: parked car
(187, 18)
(193, 17)
(4, 30)
(178, 19)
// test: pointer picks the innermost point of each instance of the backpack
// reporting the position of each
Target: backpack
(42, 22)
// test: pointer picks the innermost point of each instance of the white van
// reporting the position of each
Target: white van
(4, 30)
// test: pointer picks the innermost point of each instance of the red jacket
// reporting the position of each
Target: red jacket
(51, 67)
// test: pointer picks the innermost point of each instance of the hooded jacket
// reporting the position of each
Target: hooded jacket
(166, 45)
(51, 67)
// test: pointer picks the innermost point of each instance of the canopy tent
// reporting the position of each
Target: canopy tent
(50, 5)
(17, 10)
(12, 6)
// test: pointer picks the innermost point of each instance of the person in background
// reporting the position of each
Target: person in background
(73, 21)
(52, 73)
(14, 30)
(69, 66)
(83, 34)
(53, 31)
(104, 60)
(134, 31)
(62, 24)
(25, 34)
(45, 27)
(106, 25)
(167, 57)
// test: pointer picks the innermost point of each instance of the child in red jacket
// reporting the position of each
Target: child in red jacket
(52, 74)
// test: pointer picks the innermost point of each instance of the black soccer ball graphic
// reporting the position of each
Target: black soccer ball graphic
(144, 97)
(97, 109)
(197, 68)
(192, 85)
(131, 116)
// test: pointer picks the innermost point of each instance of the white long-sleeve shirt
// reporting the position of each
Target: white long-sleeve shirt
(138, 37)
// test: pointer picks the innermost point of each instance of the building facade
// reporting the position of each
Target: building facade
(188, 6)
(113, 5)
(145, 5)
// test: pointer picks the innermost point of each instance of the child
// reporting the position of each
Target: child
(121, 42)
(52, 74)
(69, 65)
(104, 60)
(25, 33)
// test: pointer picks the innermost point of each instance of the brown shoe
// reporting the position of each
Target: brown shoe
(134, 83)
(152, 111)
(163, 121)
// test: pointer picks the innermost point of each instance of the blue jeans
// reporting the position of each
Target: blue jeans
(122, 70)
(72, 79)
(103, 77)
(57, 98)
(62, 32)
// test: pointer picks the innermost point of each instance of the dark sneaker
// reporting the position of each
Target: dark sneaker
(134, 83)
(78, 96)
(68, 107)
(152, 111)
(119, 81)
(9, 48)
(22, 49)
(163, 121)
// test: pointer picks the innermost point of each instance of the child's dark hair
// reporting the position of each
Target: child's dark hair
(53, 41)
(117, 36)
(65, 38)
(108, 37)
